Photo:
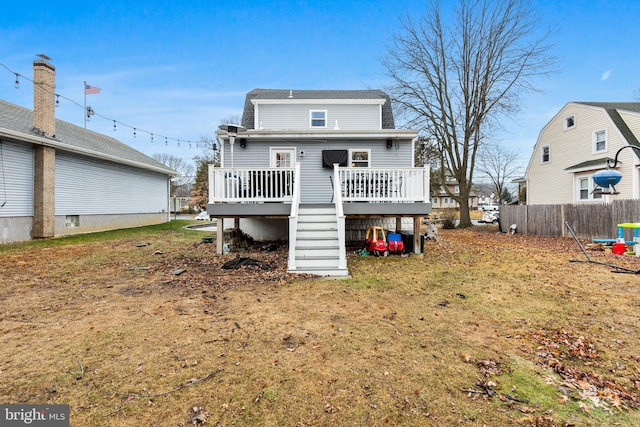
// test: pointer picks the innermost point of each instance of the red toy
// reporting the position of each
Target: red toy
(376, 242)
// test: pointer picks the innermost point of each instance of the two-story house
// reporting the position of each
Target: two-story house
(309, 165)
(443, 199)
(575, 144)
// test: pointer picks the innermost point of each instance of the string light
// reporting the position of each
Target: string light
(90, 112)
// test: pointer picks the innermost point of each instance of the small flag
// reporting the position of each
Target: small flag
(89, 90)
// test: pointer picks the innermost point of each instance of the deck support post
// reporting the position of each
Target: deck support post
(416, 234)
(219, 235)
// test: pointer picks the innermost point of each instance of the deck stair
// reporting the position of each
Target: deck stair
(317, 249)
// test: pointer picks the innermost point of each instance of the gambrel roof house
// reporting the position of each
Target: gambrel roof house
(58, 179)
(316, 167)
(575, 144)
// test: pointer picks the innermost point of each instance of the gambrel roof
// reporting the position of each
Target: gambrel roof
(17, 123)
(612, 109)
(248, 114)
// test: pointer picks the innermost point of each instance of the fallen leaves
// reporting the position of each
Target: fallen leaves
(559, 347)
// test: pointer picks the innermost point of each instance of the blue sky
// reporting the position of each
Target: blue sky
(177, 68)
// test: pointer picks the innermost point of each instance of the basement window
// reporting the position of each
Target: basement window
(72, 221)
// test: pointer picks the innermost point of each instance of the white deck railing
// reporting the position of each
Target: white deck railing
(383, 184)
(250, 184)
(397, 185)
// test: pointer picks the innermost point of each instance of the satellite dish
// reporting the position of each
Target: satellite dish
(43, 56)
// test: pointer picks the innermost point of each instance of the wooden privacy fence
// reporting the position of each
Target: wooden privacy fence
(588, 221)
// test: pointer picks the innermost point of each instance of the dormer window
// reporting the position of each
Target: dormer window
(318, 118)
(569, 122)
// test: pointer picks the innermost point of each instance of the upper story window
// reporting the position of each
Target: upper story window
(318, 118)
(600, 141)
(546, 154)
(359, 158)
(569, 122)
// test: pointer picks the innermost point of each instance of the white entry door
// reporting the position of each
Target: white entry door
(282, 157)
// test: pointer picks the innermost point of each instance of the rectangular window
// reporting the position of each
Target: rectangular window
(586, 186)
(546, 154)
(569, 122)
(583, 185)
(600, 141)
(359, 158)
(318, 118)
(72, 221)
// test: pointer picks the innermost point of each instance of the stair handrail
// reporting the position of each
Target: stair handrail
(340, 219)
(293, 218)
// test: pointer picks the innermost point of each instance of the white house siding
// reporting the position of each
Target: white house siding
(316, 180)
(550, 183)
(107, 195)
(296, 116)
(16, 191)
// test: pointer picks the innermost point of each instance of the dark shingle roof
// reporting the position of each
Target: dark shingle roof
(248, 114)
(20, 119)
(596, 163)
(624, 106)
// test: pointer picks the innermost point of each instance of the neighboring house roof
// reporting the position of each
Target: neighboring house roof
(17, 122)
(248, 115)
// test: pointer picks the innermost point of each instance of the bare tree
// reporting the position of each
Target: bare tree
(452, 79)
(181, 182)
(500, 166)
(211, 155)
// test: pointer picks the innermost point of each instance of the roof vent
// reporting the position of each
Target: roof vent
(290, 94)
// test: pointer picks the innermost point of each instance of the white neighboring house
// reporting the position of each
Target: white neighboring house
(309, 165)
(575, 144)
(57, 178)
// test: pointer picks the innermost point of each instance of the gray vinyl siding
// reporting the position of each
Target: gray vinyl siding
(16, 179)
(296, 116)
(316, 185)
(86, 187)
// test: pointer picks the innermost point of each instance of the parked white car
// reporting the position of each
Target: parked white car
(203, 216)
(490, 207)
(490, 218)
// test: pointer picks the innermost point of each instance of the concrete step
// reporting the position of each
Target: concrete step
(332, 272)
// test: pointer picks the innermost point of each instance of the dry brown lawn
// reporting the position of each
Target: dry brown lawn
(484, 329)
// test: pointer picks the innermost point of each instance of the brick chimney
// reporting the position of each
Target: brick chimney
(44, 120)
(44, 86)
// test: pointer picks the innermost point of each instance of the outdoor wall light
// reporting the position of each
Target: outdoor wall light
(301, 153)
(243, 143)
(389, 143)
